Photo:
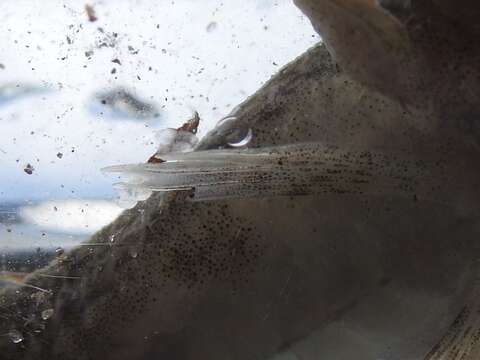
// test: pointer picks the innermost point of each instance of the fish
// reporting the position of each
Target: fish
(251, 252)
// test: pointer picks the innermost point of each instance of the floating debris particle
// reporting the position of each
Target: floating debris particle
(212, 26)
(107, 39)
(120, 102)
(116, 61)
(2, 67)
(113, 71)
(59, 155)
(29, 169)
(192, 124)
(90, 13)
(132, 50)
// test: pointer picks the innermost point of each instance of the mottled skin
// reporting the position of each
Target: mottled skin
(327, 276)
(426, 55)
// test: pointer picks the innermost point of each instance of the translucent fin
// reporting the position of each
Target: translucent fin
(289, 170)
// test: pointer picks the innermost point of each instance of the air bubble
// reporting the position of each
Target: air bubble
(15, 336)
(226, 120)
(133, 253)
(244, 141)
(235, 135)
(47, 314)
(38, 328)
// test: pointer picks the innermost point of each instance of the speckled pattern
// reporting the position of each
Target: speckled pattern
(362, 275)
